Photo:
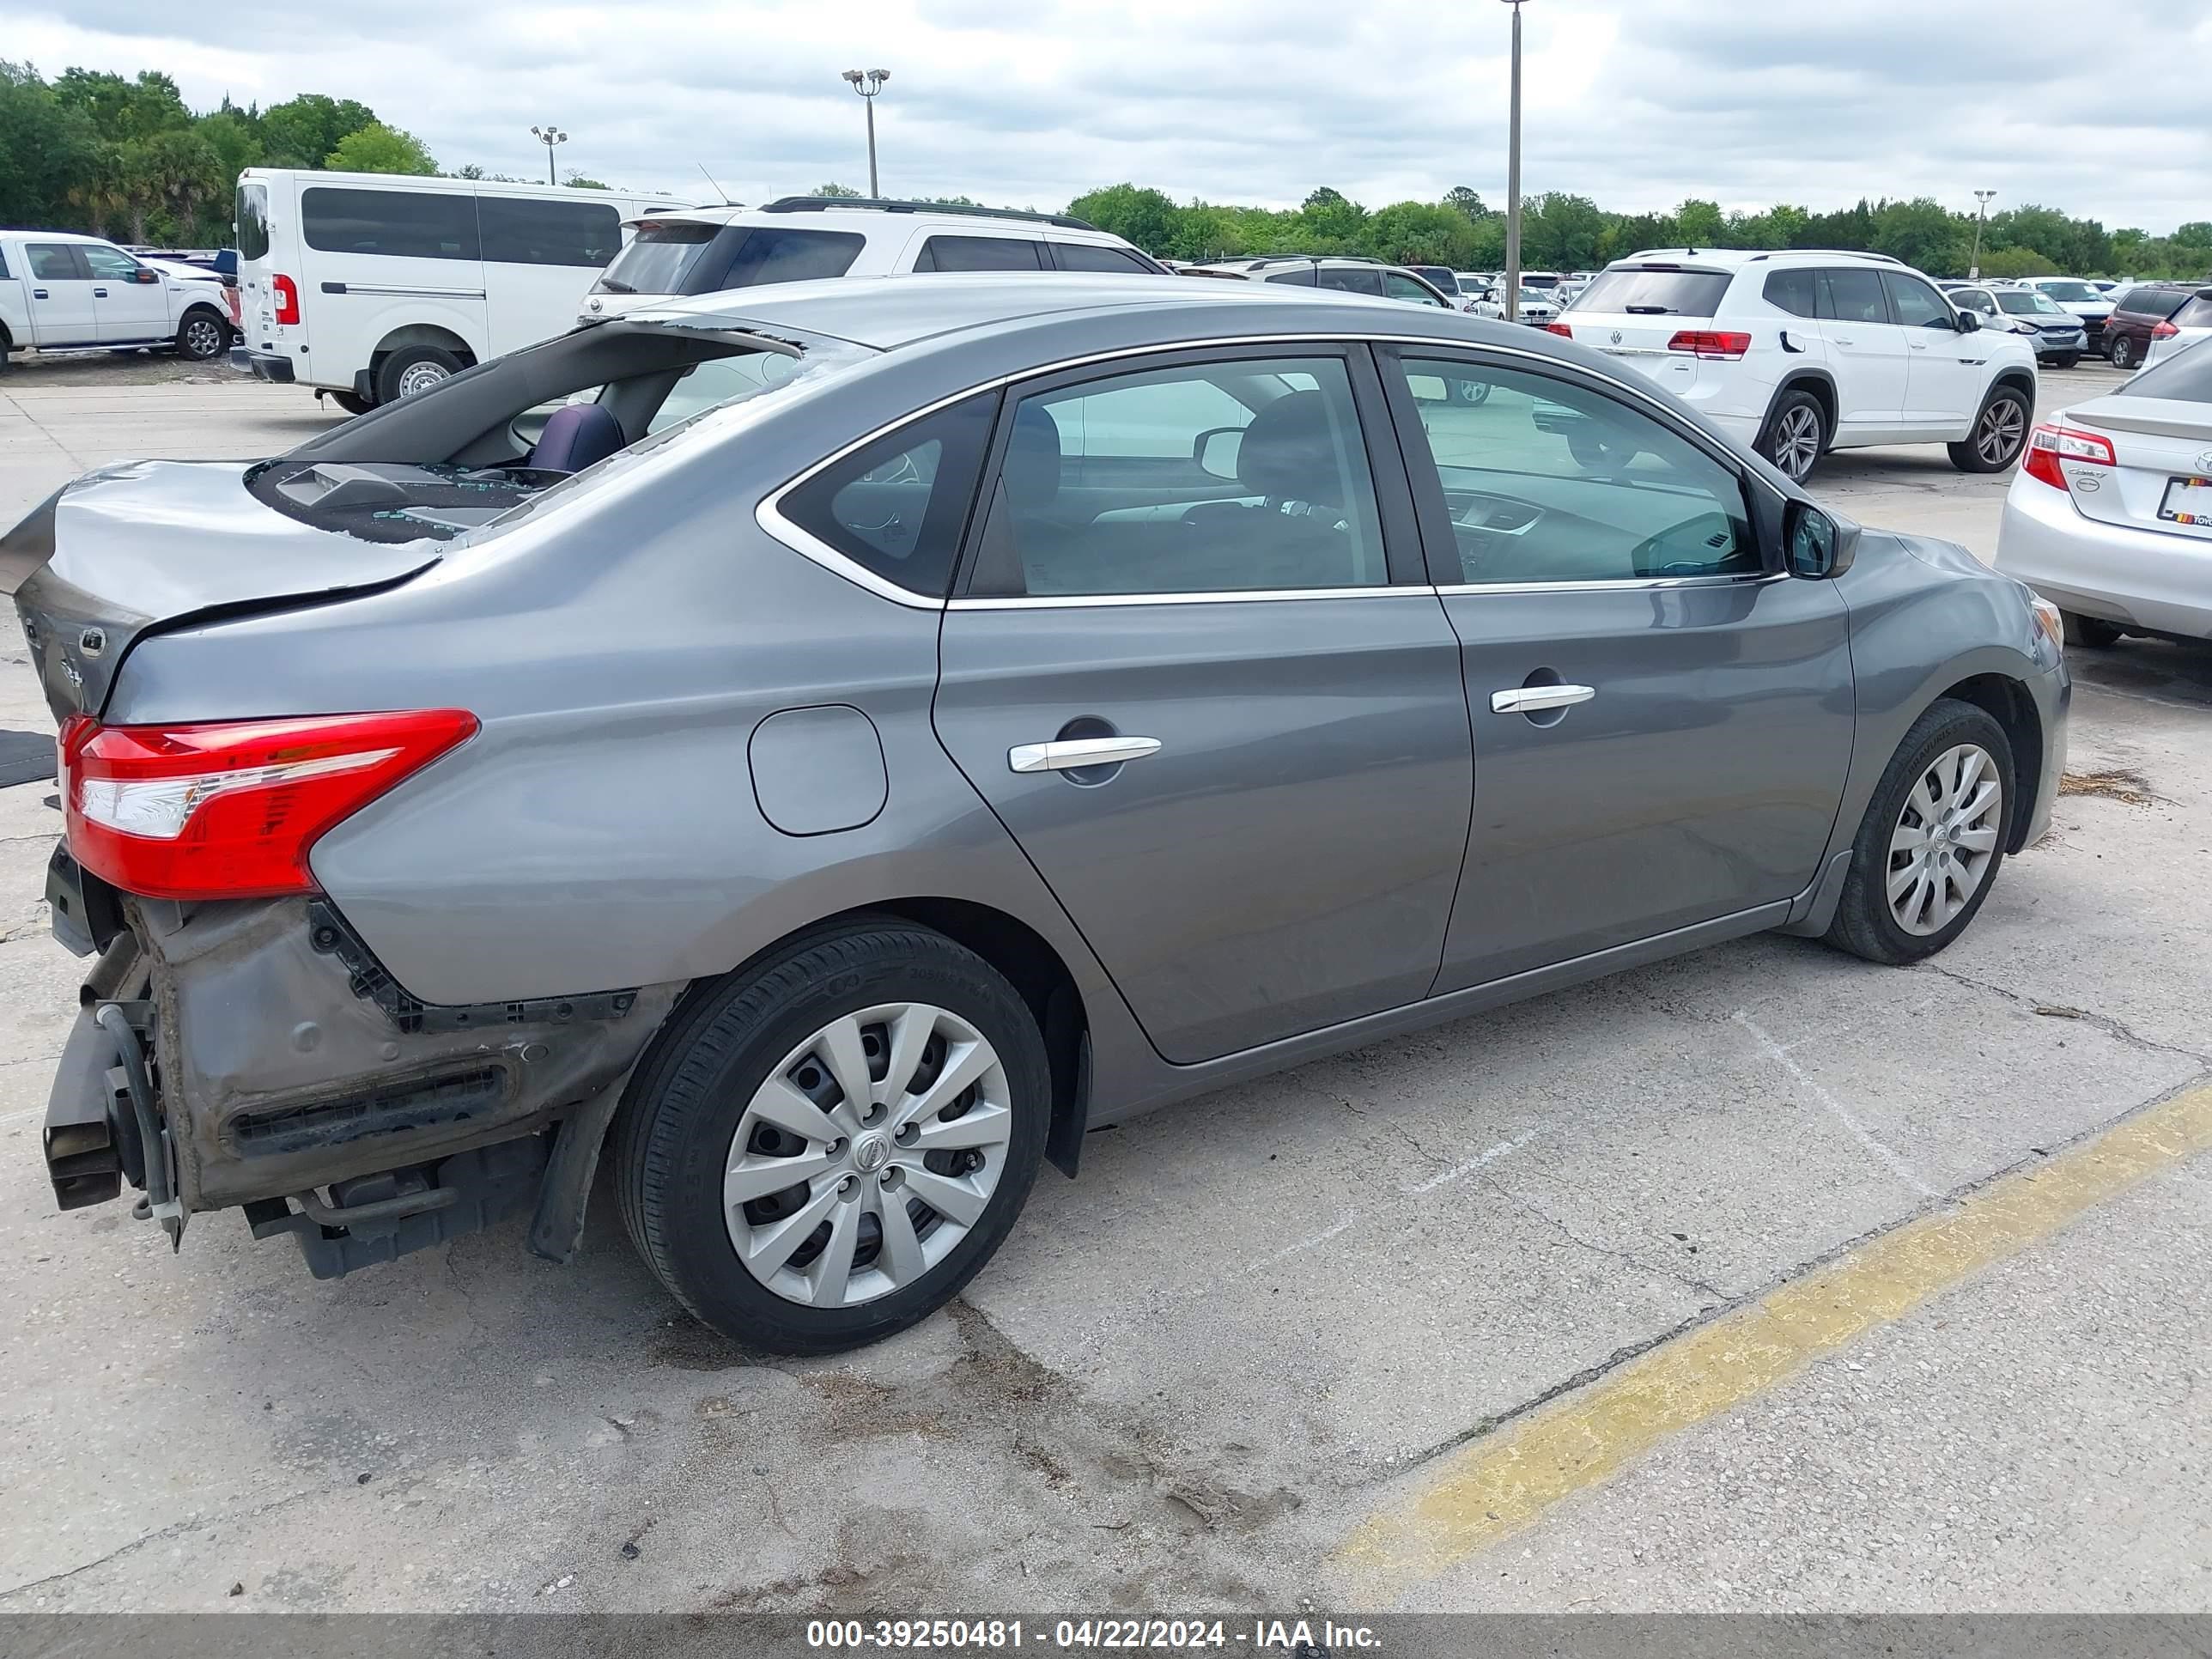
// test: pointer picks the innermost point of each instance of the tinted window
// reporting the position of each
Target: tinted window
(1438, 275)
(1547, 481)
(3, 265)
(518, 231)
(658, 259)
(1395, 286)
(1852, 296)
(1916, 304)
(977, 253)
(1792, 290)
(1352, 279)
(2195, 313)
(792, 256)
(1085, 256)
(1973, 299)
(110, 264)
(390, 223)
(251, 211)
(2185, 378)
(1658, 292)
(1221, 478)
(52, 261)
(899, 506)
(2154, 301)
(1301, 275)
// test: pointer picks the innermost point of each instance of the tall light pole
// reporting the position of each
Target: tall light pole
(548, 137)
(868, 83)
(1513, 183)
(1974, 265)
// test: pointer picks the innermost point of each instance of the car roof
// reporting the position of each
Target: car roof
(840, 212)
(887, 312)
(1738, 258)
(59, 236)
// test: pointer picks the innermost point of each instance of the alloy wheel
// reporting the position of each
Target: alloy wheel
(1946, 839)
(1998, 434)
(1797, 442)
(202, 338)
(868, 1154)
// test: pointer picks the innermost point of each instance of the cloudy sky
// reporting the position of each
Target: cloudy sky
(1638, 103)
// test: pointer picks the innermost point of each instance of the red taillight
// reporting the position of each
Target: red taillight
(2164, 331)
(1708, 343)
(2049, 445)
(288, 299)
(1560, 328)
(230, 811)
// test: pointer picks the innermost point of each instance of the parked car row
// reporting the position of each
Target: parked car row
(60, 292)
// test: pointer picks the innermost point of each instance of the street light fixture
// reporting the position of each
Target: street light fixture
(548, 137)
(1974, 263)
(868, 83)
(1513, 182)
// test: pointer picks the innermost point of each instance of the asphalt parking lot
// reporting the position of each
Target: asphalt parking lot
(1760, 1278)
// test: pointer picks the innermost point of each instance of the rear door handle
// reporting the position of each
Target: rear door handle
(1064, 753)
(1535, 699)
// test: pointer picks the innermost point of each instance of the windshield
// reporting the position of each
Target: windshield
(1642, 290)
(2025, 302)
(2073, 293)
(657, 259)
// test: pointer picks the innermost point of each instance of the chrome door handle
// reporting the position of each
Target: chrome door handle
(1064, 753)
(1535, 699)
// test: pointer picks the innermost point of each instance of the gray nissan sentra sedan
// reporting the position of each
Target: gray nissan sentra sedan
(829, 747)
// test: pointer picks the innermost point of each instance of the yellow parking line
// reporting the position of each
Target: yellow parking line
(1497, 1486)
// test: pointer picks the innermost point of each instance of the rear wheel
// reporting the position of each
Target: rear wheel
(202, 335)
(1796, 433)
(414, 368)
(349, 402)
(1932, 839)
(2090, 631)
(828, 1149)
(1999, 434)
(2123, 352)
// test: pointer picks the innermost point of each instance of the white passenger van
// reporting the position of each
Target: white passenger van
(369, 286)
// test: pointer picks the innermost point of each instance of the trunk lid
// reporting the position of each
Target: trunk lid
(2159, 443)
(144, 545)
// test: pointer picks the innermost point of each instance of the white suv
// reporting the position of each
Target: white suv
(709, 250)
(1802, 351)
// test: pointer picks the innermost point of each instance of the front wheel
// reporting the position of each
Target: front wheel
(1999, 434)
(2066, 360)
(2123, 353)
(202, 335)
(828, 1148)
(1932, 839)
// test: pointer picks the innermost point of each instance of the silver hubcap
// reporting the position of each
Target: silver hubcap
(1797, 442)
(1999, 434)
(1945, 840)
(867, 1155)
(420, 377)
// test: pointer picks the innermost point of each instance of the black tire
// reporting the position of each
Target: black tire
(1786, 427)
(1863, 924)
(202, 335)
(2091, 631)
(2122, 352)
(349, 402)
(672, 1137)
(392, 372)
(2066, 360)
(2017, 421)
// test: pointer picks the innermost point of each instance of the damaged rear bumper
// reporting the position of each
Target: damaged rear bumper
(279, 1058)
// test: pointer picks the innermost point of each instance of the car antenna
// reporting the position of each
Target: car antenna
(717, 189)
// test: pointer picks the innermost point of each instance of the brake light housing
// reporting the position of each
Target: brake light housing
(2052, 443)
(1717, 345)
(287, 295)
(231, 810)
(1563, 329)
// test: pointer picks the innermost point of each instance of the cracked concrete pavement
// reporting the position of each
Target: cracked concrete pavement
(1189, 1374)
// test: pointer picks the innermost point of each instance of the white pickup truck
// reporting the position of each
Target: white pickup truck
(60, 292)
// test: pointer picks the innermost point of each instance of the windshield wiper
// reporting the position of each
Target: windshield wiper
(611, 286)
(1649, 310)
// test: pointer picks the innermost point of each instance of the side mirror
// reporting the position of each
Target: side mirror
(1816, 544)
(145, 274)
(1216, 452)
(1968, 322)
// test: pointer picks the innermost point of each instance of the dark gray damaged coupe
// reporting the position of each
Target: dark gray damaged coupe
(827, 748)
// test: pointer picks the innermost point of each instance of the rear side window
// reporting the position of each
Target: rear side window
(2195, 313)
(1914, 304)
(792, 256)
(518, 231)
(899, 506)
(1645, 292)
(1352, 279)
(1849, 294)
(52, 261)
(2186, 378)
(978, 253)
(2153, 301)
(1301, 275)
(390, 223)
(251, 214)
(1085, 256)
(1792, 292)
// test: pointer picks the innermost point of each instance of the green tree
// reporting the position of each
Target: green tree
(48, 152)
(1332, 222)
(235, 138)
(184, 174)
(1461, 199)
(1421, 233)
(123, 111)
(1922, 232)
(845, 192)
(302, 131)
(378, 148)
(2009, 262)
(1699, 224)
(1149, 218)
(1560, 232)
(581, 181)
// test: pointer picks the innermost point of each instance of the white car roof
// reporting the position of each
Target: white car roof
(904, 216)
(1737, 258)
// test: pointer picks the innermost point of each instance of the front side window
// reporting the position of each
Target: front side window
(978, 253)
(522, 231)
(1395, 286)
(1087, 256)
(1916, 304)
(250, 211)
(899, 506)
(109, 264)
(1548, 481)
(1241, 476)
(392, 224)
(52, 261)
(1850, 294)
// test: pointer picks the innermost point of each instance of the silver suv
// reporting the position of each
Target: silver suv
(857, 737)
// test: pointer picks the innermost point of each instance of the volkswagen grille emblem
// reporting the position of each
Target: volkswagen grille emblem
(1616, 337)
